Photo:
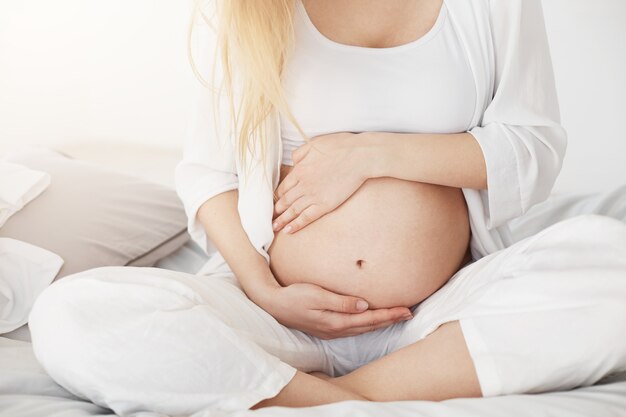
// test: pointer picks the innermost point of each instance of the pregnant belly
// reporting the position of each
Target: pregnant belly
(393, 242)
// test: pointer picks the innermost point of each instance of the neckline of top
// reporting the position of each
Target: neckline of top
(443, 12)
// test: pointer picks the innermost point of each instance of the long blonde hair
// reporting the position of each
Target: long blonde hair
(255, 37)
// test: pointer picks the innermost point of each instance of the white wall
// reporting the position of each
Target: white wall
(93, 70)
(588, 42)
(75, 72)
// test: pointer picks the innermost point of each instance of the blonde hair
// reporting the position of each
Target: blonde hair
(255, 37)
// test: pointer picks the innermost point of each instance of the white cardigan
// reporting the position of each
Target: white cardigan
(516, 123)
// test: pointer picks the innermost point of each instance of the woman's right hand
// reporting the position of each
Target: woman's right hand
(324, 314)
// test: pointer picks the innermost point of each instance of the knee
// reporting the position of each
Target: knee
(90, 328)
(70, 300)
(100, 310)
(58, 328)
(55, 308)
(103, 299)
(68, 311)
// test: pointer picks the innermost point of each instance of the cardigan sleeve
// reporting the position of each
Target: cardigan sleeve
(208, 165)
(520, 134)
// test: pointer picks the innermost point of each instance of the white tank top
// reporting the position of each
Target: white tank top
(424, 86)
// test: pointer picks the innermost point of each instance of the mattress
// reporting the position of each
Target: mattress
(27, 391)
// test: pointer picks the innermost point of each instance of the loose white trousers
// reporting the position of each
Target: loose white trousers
(547, 313)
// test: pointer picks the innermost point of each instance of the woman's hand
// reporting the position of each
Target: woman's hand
(324, 314)
(326, 172)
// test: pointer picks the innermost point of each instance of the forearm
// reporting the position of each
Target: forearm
(221, 221)
(454, 160)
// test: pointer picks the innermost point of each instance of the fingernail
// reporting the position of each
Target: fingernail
(286, 229)
(275, 225)
(361, 305)
(407, 317)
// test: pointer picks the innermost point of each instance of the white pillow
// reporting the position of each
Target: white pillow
(92, 216)
(25, 271)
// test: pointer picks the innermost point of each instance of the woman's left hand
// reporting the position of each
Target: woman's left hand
(326, 172)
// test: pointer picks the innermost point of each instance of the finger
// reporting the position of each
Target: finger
(372, 327)
(291, 213)
(286, 184)
(366, 329)
(308, 216)
(370, 318)
(287, 200)
(341, 303)
(298, 154)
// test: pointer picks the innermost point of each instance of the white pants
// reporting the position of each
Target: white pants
(546, 313)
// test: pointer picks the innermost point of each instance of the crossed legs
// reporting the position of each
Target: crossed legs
(508, 323)
(435, 368)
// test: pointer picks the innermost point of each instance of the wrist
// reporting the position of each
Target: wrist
(261, 289)
(374, 154)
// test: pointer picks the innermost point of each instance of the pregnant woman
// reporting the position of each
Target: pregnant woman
(352, 183)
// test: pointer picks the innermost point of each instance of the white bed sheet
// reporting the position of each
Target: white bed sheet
(27, 391)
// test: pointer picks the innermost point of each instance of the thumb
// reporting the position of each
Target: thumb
(299, 153)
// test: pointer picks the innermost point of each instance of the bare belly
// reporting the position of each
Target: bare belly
(393, 242)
